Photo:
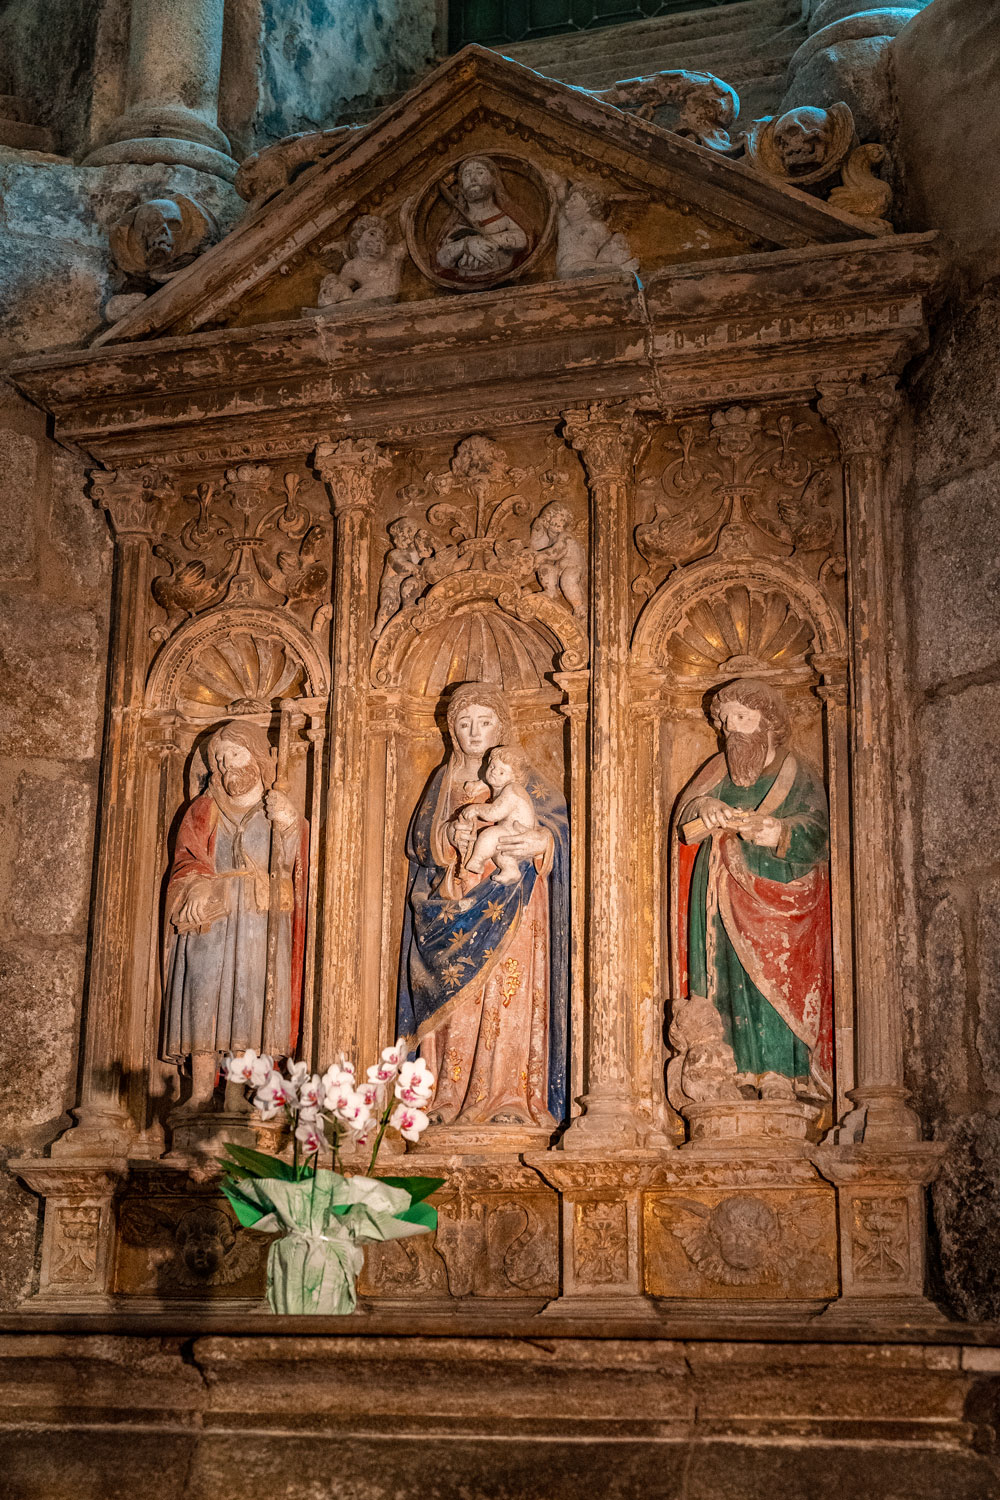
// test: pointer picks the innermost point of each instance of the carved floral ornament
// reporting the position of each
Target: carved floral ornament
(244, 544)
(741, 483)
(497, 533)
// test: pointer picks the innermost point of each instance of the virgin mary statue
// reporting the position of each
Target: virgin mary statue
(484, 968)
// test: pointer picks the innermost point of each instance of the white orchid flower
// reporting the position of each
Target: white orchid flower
(415, 1084)
(310, 1133)
(248, 1068)
(298, 1074)
(275, 1094)
(410, 1122)
(371, 1092)
(355, 1113)
(311, 1093)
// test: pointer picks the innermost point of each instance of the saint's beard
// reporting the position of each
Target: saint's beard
(746, 756)
(240, 781)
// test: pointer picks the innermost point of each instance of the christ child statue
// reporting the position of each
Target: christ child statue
(511, 811)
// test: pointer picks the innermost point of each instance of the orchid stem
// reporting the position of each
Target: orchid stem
(378, 1138)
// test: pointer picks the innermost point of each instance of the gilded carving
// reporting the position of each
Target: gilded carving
(476, 543)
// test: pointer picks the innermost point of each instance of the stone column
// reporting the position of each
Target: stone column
(172, 90)
(608, 441)
(863, 415)
(350, 470)
(133, 502)
(881, 1168)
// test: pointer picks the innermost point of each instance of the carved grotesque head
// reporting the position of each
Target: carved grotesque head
(478, 179)
(744, 1230)
(368, 238)
(803, 138)
(204, 1238)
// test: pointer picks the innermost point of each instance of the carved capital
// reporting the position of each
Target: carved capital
(349, 467)
(134, 499)
(861, 412)
(607, 439)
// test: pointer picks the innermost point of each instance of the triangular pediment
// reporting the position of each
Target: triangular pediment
(668, 200)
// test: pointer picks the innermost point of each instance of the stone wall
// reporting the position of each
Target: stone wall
(945, 67)
(55, 559)
(952, 554)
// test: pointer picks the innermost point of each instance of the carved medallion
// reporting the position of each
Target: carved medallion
(482, 221)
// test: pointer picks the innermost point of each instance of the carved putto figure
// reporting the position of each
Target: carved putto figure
(402, 579)
(509, 812)
(561, 559)
(483, 235)
(371, 270)
(221, 903)
(753, 913)
(483, 986)
(585, 243)
(708, 107)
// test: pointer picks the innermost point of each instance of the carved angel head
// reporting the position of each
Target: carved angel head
(744, 1230)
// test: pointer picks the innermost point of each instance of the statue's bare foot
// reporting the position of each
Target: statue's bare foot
(509, 1120)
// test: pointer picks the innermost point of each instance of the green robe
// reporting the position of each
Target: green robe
(761, 1041)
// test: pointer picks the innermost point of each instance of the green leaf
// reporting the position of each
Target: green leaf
(420, 1213)
(260, 1164)
(418, 1188)
(248, 1213)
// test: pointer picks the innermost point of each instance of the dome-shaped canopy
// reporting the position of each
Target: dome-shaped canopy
(479, 643)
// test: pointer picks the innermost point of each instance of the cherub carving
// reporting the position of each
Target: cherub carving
(372, 267)
(742, 1239)
(708, 107)
(202, 1248)
(585, 243)
(402, 579)
(560, 557)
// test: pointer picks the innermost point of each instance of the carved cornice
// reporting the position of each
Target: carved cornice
(133, 499)
(607, 439)
(349, 467)
(861, 412)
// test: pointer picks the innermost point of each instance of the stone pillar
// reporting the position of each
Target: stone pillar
(832, 692)
(133, 502)
(863, 415)
(845, 56)
(880, 1171)
(172, 90)
(608, 441)
(350, 470)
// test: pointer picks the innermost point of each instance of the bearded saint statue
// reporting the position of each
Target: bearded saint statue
(218, 899)
(753, 900)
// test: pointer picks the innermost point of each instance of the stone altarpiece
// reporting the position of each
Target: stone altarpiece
(608, 426)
